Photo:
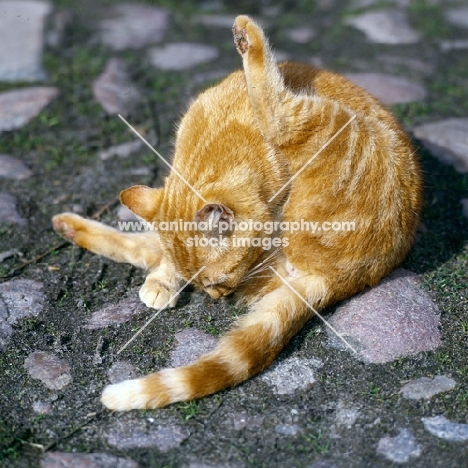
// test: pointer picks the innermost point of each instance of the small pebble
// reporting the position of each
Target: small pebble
(181, 55)
(399, 449)
(12, 168)
(427, 388)
(441, 427)
(49, 369)
(291, 375)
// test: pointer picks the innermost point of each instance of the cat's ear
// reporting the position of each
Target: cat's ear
(143, 201)
(214, 218)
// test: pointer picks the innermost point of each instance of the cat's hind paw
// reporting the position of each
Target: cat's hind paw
(247, 34)
(155, 295)
(240, 39)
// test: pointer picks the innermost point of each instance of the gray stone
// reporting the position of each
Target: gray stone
(132, 26)
(141, 171)
(290, 430)
(12, 168)
(41, 407)
(409, 62)
(114, 91)
(23, 298)
(124, 150)
(346, 415)
(85, 460)
(458, 16)
(8, 211)
(115, 314)
(242, 420)
(389, 89)
(164, 438)
(385, 27)
(6, 330)
(9, 254)
(21, 41)
(457, 44)
(191, 344)
(464, 202)
(447, 140)
(401, 448)
(53, 372)
(427, 388)
(120, 371)
(291, 375)
(441, 427)
(394, 319)
(301, 35)
(19, 298)
(19, 106)
(181, 55)
(358, 4)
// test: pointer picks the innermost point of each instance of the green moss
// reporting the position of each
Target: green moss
(189, 410)
(11, 440)
(317, 442)
(428, 18)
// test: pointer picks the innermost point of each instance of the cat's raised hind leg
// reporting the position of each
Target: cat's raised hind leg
(284, 116)
(139, 249)
(264, 81)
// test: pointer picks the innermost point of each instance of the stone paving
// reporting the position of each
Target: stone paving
(394, 319)
(22, 25)
(401, 398)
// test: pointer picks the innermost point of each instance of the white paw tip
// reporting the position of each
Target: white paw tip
(157, 299)
(124, 396)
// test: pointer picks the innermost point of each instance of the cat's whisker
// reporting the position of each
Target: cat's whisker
(263, 276)
(262, 266)
(271, 256)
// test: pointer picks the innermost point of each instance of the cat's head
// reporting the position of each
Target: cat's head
(195, 233)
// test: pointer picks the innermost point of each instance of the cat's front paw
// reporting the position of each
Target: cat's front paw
(67, 225)
(155, 295)
(247, 34)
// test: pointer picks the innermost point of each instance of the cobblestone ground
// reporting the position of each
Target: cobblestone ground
(66, 70)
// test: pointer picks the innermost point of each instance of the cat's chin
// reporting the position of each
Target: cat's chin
(213, 294)
(216, 293)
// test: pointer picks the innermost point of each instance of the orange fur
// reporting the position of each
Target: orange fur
(238, 145)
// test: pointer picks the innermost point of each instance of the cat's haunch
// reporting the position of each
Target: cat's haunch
(270, 145)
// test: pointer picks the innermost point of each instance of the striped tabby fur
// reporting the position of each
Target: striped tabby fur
(237, 145)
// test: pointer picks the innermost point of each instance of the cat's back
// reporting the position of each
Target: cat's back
(301, 77)
(229, 97)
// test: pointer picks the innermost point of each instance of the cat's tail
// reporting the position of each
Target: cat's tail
(240, 354)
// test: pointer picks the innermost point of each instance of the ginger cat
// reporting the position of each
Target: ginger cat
(337, 155)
